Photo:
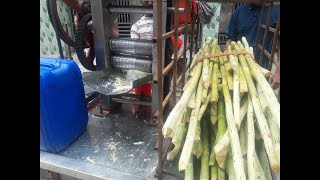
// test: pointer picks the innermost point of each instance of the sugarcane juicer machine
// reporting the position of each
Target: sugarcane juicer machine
(116, 64)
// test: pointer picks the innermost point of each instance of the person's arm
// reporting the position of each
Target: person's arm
(232, 31)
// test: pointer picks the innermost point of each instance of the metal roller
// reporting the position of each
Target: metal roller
(132, 63)
(131, 46)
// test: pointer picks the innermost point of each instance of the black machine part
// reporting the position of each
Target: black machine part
(132, 63)
(54, 18)
(131, 46)
(85, 61)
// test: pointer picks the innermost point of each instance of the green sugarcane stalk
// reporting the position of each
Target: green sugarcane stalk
(232, 129)
(204, 172)
(188, 174)
(190, 138)
(263, 126)
(251, 143)
(263, 158)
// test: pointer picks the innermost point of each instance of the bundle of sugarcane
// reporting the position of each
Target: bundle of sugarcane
(227, 120)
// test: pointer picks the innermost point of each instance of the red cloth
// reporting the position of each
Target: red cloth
(182, 4)
(143, 89)
(179, 42)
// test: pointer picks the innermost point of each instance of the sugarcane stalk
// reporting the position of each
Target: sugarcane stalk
(213, 113)
(259, 172)
(236, 97)
(214, 172)
(221, 148)
(181, 105)
(243, 138)
(262, 123)
(178, 138)
(246, 45)
(263, 101)
(189, 142)
(221, 174)
(243, 82)
(213, 49)
(205, 73)
(204, 172)
(229, 80)
(234, 64)
(266, 88)
(230, 168)
(250, 143)
(213, 135)
(264, 161)
(188, 174)
(232, 129)
(192, 101)
(214, 87)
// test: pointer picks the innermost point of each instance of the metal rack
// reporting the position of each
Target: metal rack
(162, 71)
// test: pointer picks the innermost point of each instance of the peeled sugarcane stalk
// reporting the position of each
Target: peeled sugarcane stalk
(214, 87)
(205, 91)
(194, 60)
(243, 138)
(230, 168)
(232, 129)
(260, 175)
(204, 172)
(234, 64)
(262, 123)
(243, 82)
(188, 174)
(213, 48)
(213, 135)
(189, 142)
(221, 149)
(262, 156)
(214, 172)
(275, 131)
(178, 138)
(181, 105)
(221, 129)
(192, 101)
(266, 88)
(246, 45)
(229, 80)
(197, 146)
(213, 113)
(236, 97)
(205, 73)
(250, 143)
(221, 174)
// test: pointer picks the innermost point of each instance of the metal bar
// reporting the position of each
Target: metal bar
(91, 97)
(169, 34)
(270, 28)
(170, 65)
(265, 32)
(274, 43)
(160, 89)
(192, 36)
(175, 50)
(259, 26)
(59, 46)
(179, 79)
(265, 51)
(131, 9)
(138, 9)
(125, 101)
(197, 38)
(186, 12)
(171, 10)
(69, 49)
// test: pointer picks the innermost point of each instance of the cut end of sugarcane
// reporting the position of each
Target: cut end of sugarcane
(182, 165)
(274, 163)
(166, 132)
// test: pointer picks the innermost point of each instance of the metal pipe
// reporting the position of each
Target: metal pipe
(139, 9)
(160, 88)
(132, 63)
(131, 46)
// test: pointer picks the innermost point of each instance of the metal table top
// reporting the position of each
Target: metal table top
(118, 146)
